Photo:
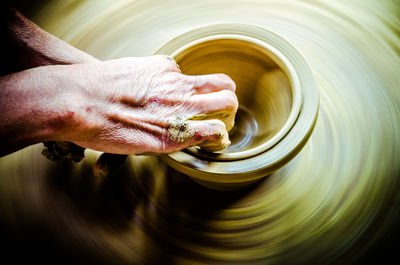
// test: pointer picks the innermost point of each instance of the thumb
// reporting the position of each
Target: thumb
(211, 135)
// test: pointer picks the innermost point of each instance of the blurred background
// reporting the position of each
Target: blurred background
(337, 202)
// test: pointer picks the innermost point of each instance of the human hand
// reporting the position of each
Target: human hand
(48, 104)
(145, 105)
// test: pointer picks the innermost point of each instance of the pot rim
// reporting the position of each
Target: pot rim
(284, 145)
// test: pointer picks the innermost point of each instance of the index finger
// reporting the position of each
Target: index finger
(212, 83)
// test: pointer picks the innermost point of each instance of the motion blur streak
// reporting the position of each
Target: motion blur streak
(334, 201)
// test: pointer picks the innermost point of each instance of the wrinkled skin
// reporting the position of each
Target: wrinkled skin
(127, 106)
(51, 91)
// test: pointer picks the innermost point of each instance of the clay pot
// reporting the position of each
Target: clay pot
(278, 102)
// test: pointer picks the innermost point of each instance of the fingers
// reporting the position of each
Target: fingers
(212, 83)
(220, 105)
(63, 151)
(210, 134)
(223, 100)
(202, 83)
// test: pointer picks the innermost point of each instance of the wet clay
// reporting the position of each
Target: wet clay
(180, 132)
(224, 116)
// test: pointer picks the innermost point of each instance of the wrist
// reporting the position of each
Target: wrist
(35, 107)
(65, 104)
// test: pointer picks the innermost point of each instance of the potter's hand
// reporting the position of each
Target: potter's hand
(48, 103)
(125, 106)
(137, 105)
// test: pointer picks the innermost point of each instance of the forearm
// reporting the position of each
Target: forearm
(34, 108)
(29, 46)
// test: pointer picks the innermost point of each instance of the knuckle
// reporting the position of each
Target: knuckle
(167, 62)
(188, 81)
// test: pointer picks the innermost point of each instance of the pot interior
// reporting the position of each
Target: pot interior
(262, 86)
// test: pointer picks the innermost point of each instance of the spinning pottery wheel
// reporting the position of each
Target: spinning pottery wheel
(331, 202)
